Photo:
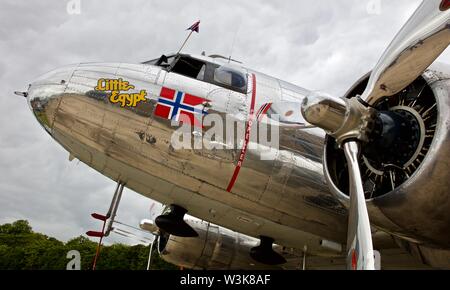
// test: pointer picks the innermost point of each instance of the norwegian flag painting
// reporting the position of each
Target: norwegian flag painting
(179, 106)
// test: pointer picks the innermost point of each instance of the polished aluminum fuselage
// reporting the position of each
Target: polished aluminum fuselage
(286, 198)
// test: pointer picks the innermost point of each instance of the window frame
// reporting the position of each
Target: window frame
(239, 90)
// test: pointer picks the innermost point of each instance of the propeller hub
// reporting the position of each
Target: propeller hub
(343, 119)
(394, 139)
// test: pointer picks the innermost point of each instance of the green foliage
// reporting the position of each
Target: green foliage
(23, 249)
(17, 227)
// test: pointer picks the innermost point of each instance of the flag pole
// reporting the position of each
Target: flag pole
(184, 43)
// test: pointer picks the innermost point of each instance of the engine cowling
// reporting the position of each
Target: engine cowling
(406, 178)
(215, 248)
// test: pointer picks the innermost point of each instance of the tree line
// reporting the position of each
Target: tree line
(23, 249)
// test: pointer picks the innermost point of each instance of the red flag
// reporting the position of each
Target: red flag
(195, 27)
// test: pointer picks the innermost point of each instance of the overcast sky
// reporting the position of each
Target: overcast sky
(321, 45)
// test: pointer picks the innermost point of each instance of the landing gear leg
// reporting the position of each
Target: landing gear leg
(111, 216)
(114, 206)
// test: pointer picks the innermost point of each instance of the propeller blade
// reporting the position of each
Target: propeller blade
(421, 40)
(360, 254)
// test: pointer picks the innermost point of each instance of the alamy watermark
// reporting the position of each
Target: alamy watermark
(73, 7)
(228, 134)
(75, 260)
(374, 7)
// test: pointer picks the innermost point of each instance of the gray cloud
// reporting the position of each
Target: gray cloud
(324, 45)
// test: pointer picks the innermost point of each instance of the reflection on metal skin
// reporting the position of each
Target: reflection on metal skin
(45, 93)
(421, 40)
(344, 119)
(327, 111)
(279, 197)
(286, 198)
(216, 248)
(359, 240)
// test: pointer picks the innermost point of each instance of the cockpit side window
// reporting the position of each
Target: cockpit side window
(190, 67)
(201, 74)
(232, 78)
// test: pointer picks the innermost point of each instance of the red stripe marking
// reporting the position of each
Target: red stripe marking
(354, 260)
(260, 111)
(247, 138)
(445, 4)
(265, 108)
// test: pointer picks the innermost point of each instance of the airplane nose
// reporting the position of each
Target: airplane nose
(45, 93)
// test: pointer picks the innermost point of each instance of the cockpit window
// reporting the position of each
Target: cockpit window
(189, 67)
(201, 74)
(231, 78)
(220, 75)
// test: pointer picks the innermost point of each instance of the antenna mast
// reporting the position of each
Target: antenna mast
(195, 27)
